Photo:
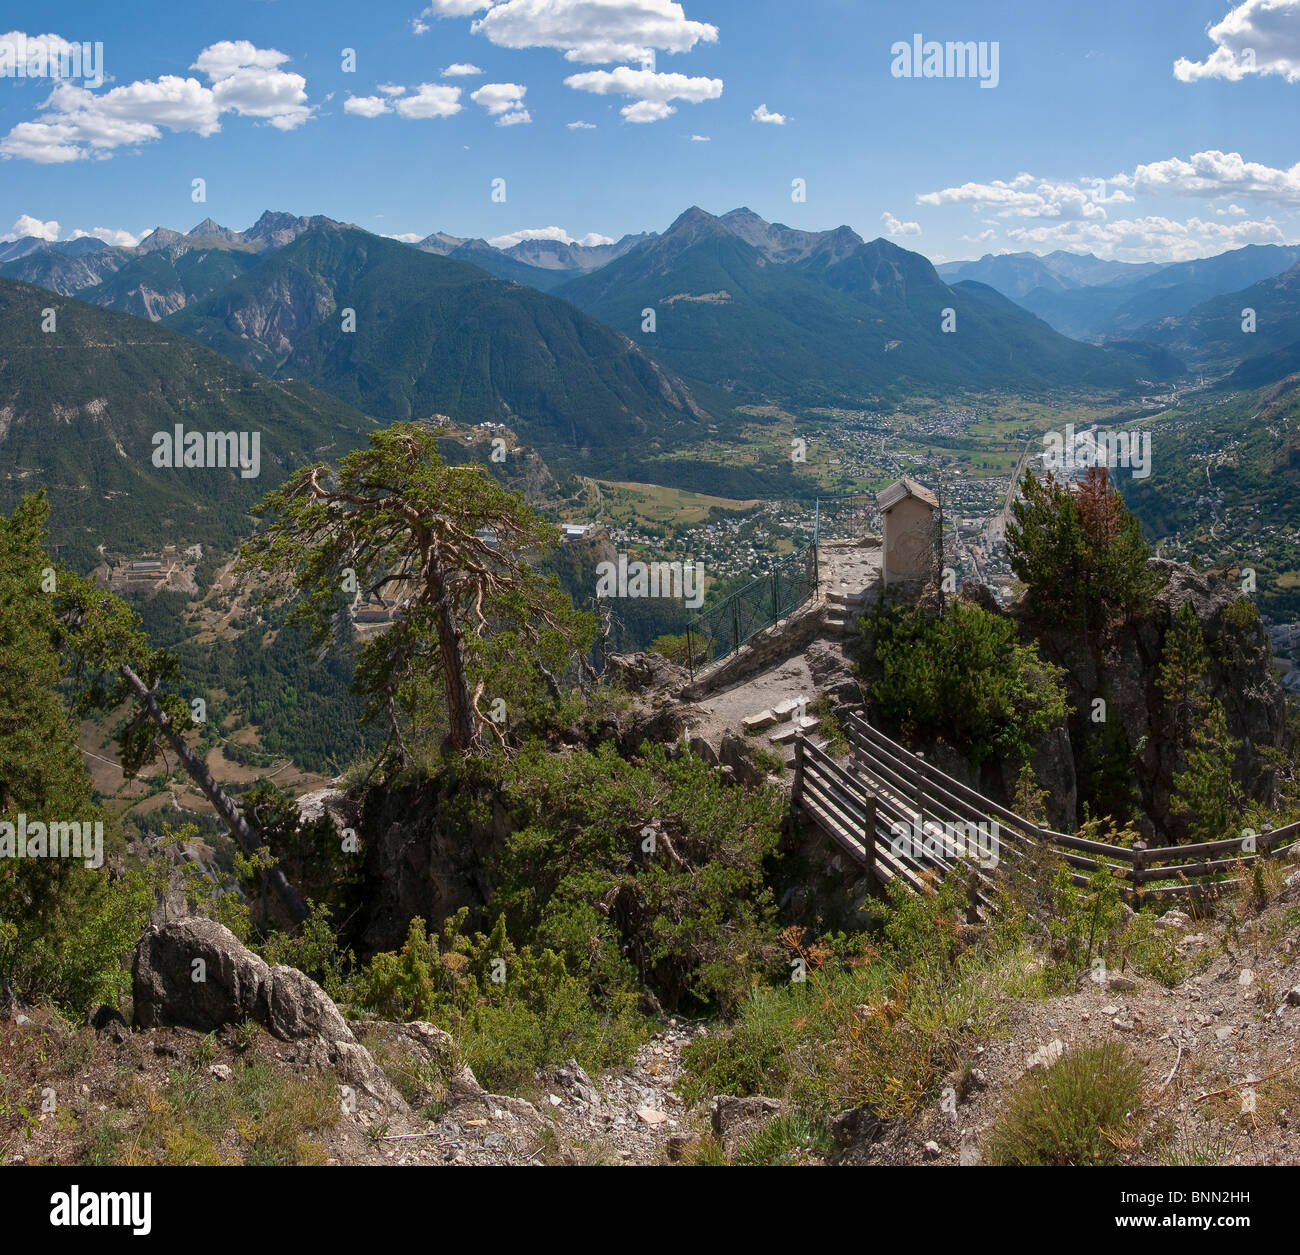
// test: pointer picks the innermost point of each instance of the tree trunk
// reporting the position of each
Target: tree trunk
(464, 729)
(239, 827)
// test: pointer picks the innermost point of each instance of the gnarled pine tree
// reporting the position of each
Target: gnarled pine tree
(448, 550)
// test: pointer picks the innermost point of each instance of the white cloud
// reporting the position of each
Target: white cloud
(651, 91)
(1028, 197)
(461, 69)
(700, 139)
(77, 123)
(366, 106)
(515, 117)
(591, 31)
(418, 27)
(1257, 37)
(408, 237)
(34, 227)
(455, 8)
(113, 236)
(1215, 173)
(764, 114)
(20, 52)
(390, 89)
(590, 240)
(894, 227)
(1150, 238)
(248, 80)
(1232, 211)
(581, 126)
(647, 111)
(499, 98)
(645, 85)
(429, 100)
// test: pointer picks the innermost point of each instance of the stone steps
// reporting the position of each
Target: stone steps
(809, 723)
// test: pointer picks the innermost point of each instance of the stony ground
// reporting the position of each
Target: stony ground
(1220, 1053)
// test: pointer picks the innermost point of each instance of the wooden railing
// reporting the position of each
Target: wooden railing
(887, 792)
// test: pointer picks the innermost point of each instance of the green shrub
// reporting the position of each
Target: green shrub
(964, 675)
(1062, 1117)
(512, 1010)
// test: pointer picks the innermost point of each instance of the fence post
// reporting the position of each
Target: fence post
(918, 795)
(775, 614)
(735, 623)
(690, 654)
(796, 789)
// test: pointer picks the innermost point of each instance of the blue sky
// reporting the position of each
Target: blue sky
(1184, 109)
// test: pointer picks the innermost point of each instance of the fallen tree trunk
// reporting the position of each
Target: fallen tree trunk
(234, 820)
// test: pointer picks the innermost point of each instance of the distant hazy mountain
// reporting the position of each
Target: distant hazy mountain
(79, 408)
(1018, 274)
(764, 310)
(542, 264)
(1213, 335)
(29, 244)
(435, 335)
(1087, 298)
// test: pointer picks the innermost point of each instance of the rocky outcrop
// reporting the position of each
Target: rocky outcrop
(426, 853)
(1124, 672)
(643, 673)
(195, 973)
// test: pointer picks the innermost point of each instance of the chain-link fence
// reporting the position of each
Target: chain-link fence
(722, 629)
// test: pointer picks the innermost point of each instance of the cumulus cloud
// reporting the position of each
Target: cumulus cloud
(407, 237)
(591, 31)
(77, 123)
(650, 90)
(894, 227)
(581, 126)
(22, 54)
(390, 89)
(455, 8)
(1257, 37)
(461, 69)
(113, 236)
(764, 114)
(499, 97)
(366, 106)
(429, 100)
(1215, 173)
(1151, 238)
(27, 226)
(590, 240)
(647, 111)
(1028, 197)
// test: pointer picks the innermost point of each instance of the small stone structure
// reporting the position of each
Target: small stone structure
(911, 516)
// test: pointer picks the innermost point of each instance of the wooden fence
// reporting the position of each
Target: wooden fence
(898, 815)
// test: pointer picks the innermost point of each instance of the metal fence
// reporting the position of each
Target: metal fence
(848, 517)
(720, 630)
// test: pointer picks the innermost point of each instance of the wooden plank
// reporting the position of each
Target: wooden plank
(1091, 847)
(1193, 871)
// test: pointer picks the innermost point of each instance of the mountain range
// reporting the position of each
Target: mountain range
(436, 335)
(769, 312)
(80, 405)
(1090, 299)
